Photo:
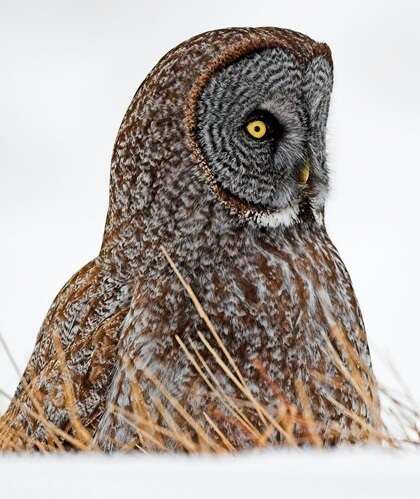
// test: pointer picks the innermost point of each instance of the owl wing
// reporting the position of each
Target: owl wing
(85, 317)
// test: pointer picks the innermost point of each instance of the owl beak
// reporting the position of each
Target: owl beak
(304, 174)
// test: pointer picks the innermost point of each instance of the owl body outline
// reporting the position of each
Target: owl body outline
(244, 231)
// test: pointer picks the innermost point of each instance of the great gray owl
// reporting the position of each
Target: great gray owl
(221, 160)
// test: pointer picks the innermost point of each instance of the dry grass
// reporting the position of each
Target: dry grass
(396, 426)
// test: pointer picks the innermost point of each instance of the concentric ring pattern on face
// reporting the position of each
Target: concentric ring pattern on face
(263, 172)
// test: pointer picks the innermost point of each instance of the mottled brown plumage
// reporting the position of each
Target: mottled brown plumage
(244, 231)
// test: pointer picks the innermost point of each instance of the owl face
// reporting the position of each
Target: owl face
(260, 126)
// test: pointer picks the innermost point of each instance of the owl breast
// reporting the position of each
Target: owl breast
(274, 302)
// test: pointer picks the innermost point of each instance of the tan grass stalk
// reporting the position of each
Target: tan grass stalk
(289, 438)
(135, 421)
(81, 432)
(216, 388)
(229, 402)
(219, 433)
(181, 411)
(182, 437)
(308, 414)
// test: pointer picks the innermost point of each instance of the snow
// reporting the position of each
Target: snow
(337, 474)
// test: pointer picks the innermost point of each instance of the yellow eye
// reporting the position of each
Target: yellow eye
(256, 129)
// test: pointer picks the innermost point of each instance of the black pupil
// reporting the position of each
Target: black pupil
(257, 128)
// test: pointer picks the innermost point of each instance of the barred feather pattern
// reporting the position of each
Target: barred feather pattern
(243, 232)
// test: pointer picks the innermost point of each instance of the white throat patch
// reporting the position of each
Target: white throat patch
(285, 217)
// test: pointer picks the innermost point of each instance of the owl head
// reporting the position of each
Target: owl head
(228, 129)
(256, 121)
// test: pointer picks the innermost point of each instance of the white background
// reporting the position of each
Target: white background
(68, 72)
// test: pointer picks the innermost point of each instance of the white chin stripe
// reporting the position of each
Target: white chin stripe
(285, 217)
